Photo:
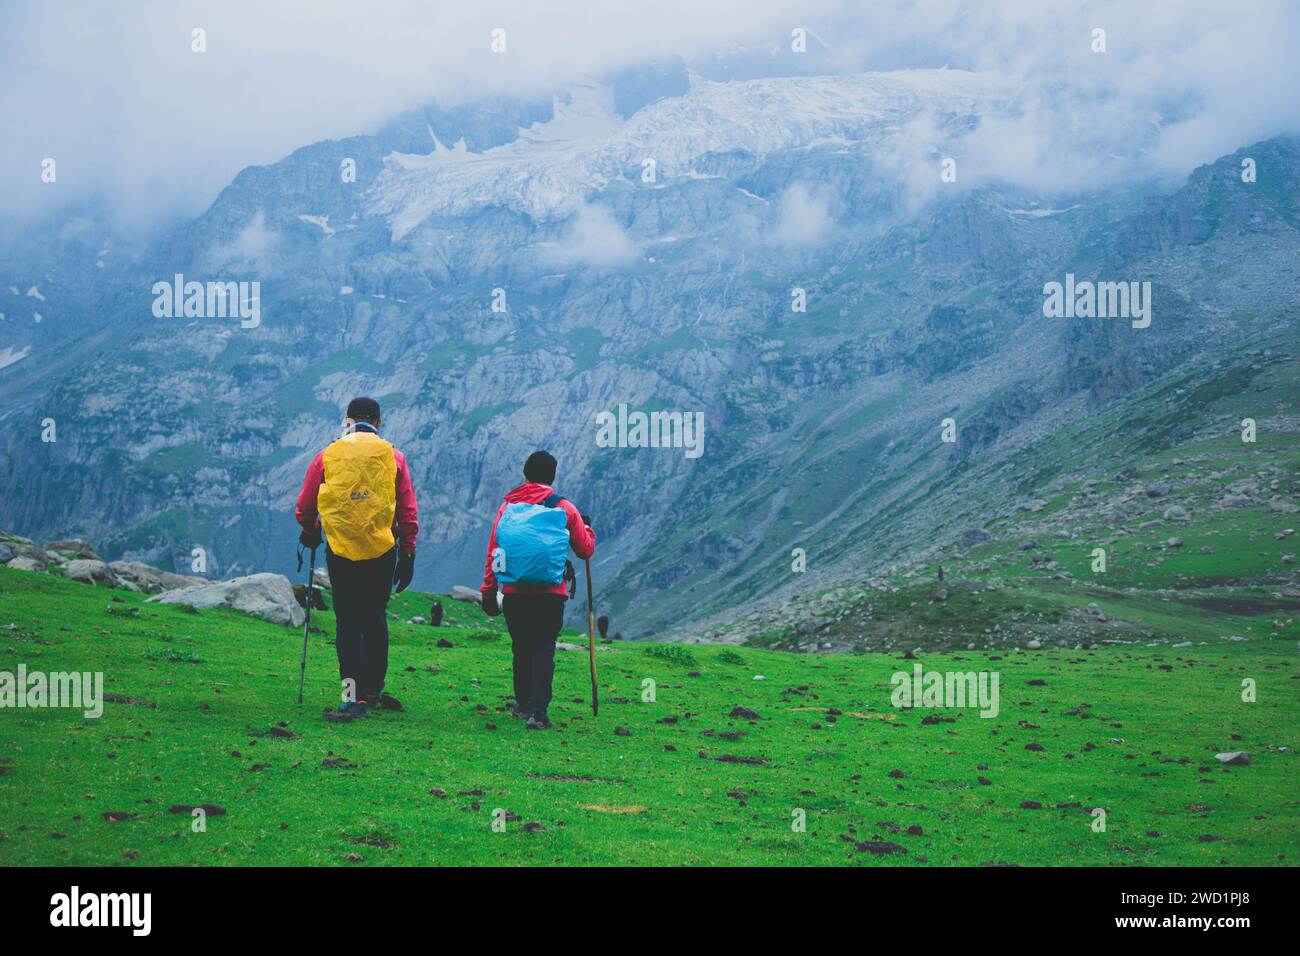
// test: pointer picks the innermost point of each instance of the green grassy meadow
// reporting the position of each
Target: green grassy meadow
(204, 701)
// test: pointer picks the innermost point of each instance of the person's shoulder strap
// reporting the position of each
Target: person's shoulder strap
(552, 500)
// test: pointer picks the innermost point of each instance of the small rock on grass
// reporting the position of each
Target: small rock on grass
(1237, 758)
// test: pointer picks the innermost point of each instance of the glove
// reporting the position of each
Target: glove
(402, 574)
(586, 519)
(310, 537)
(490, 603)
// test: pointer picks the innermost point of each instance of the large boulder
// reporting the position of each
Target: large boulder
(268, 596)
(6, 553)
(23, 548)
(461, 593)
(151, 580)
(89, 572)
(73, 548)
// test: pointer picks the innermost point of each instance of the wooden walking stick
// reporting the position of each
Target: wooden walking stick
(591, 640)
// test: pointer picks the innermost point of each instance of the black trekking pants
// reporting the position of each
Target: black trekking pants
(361, 615)
(534, 621)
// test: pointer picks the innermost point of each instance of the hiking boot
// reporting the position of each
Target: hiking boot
(517, 711)
(539, 721)
(388, 702)
(354, 708)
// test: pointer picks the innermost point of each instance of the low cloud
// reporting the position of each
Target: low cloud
(144, 129)
(802, 217)
(253, 248)
(593, 238)
(147, 129)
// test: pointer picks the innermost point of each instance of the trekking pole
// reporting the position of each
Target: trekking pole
(591, 639)
(311, 584)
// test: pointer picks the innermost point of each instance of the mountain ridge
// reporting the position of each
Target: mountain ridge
(197, 433)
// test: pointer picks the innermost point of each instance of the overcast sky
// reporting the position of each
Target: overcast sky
(134, 118)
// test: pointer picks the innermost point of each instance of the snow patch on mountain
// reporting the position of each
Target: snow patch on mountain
(1041, 213)
(551, 168)
(320, 222)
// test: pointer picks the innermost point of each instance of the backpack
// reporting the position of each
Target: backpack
(533, 544)
(358, 499)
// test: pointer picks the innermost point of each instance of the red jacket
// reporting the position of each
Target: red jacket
(406, 521)
(581, 538)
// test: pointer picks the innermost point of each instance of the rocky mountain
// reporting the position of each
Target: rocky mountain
(499, 276)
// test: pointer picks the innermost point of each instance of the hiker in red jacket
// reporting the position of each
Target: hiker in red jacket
(360, 489)
(529, 561)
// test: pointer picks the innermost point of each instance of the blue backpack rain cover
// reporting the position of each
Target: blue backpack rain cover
(532, 543)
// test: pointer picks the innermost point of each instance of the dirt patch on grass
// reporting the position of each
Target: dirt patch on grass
(613, 808)
(854, 713)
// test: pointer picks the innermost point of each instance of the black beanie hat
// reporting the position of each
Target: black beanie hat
(363, 410)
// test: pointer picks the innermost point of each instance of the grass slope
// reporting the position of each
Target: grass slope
(1131, 729)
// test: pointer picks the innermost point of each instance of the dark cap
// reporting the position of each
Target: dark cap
(540, 467)
(363, 410)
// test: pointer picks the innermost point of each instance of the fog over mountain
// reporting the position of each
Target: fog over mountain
(1197, 78)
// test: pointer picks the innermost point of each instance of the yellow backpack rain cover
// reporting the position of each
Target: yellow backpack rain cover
(358, 498)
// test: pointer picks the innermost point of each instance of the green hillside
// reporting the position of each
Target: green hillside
(204, 713)
(1197, 526)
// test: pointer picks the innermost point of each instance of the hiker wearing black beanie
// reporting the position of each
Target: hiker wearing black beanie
(527, 558)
